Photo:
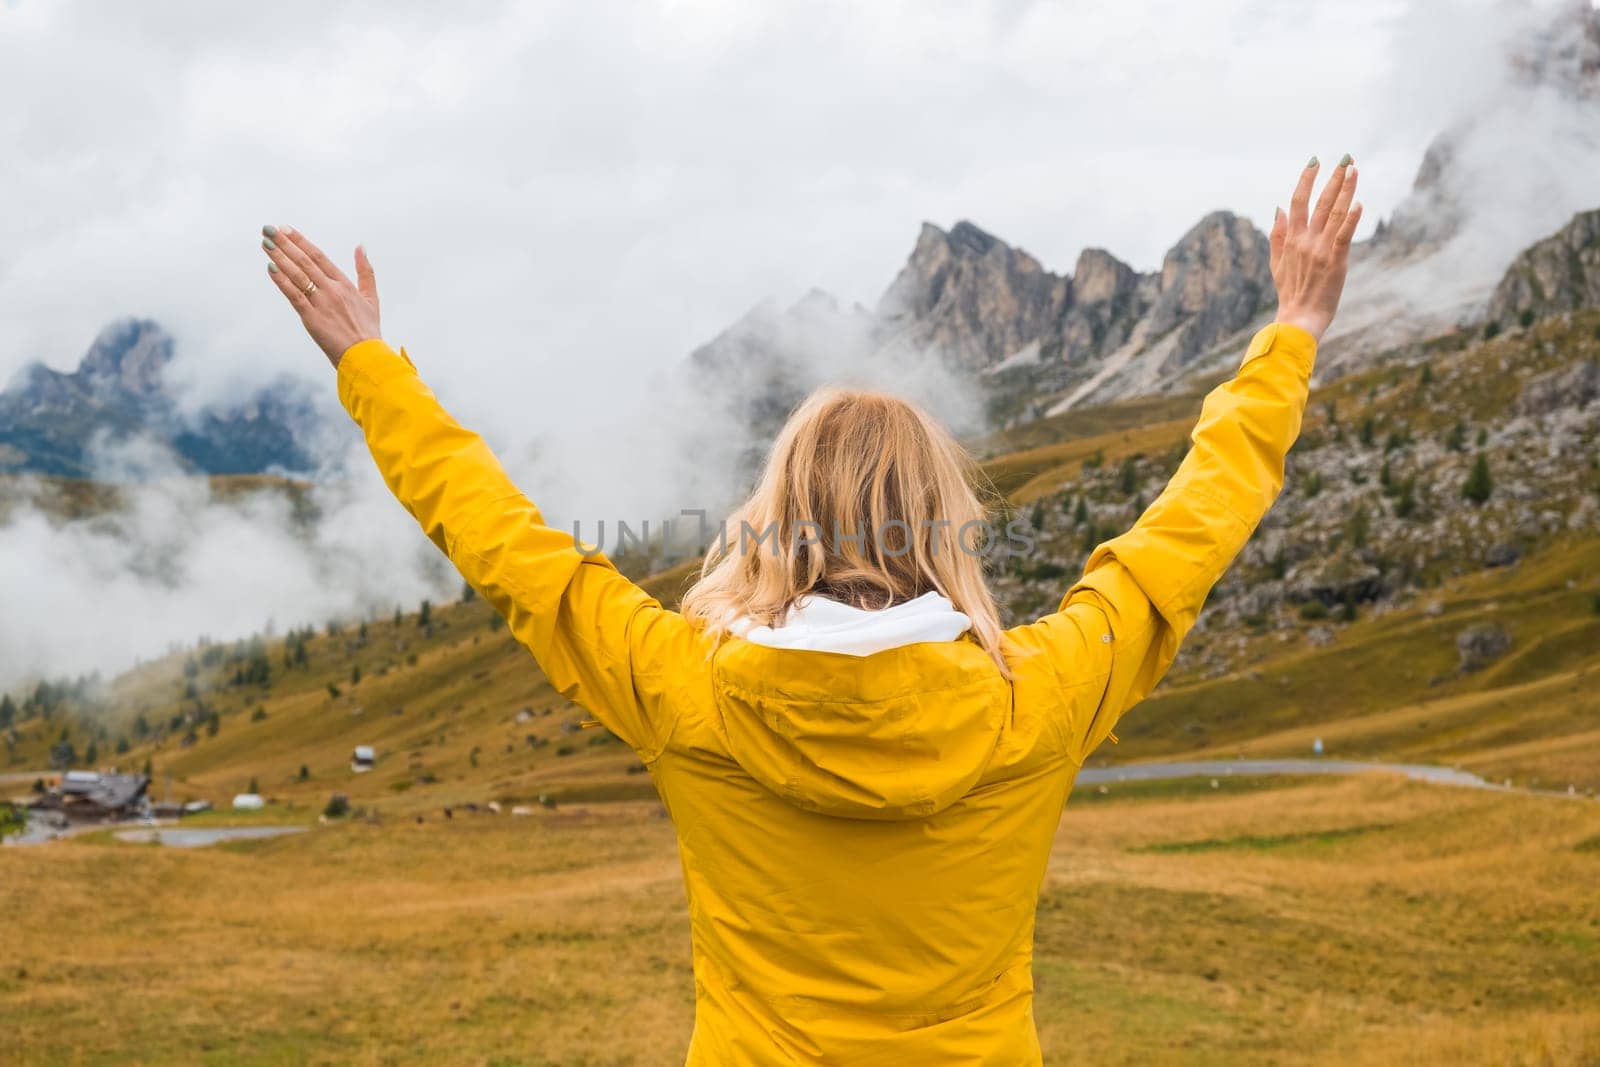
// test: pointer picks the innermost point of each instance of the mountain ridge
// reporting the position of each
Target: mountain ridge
(62, 422)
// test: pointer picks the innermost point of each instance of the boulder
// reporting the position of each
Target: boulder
(1481, 644)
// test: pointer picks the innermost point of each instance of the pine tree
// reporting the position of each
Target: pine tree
(1479, 484)
(1080, 514)
(1359, 527)
(1405, 505)
(425, 614)
(8, 711)
(1128, 477)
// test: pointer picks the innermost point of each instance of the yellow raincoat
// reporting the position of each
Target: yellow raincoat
(863, 838)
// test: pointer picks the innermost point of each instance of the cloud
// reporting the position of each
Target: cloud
(176, 562)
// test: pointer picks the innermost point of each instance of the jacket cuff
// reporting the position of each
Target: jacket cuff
(1285, 341)
(366, 365)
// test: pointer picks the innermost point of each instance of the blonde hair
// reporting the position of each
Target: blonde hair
(865, 499)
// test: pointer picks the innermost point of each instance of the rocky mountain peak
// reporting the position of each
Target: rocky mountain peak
(969, 296)
(1213, 281)
(1563, 53)
(1100, 277)
(966, 237)
(128, 357)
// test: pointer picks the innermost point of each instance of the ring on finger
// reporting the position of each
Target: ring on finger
(311, 287)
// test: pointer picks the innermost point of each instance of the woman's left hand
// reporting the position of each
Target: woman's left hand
(336, 312)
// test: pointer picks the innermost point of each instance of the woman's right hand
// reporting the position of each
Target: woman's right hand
(1311, 251)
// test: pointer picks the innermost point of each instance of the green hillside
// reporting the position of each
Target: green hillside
(459, 713)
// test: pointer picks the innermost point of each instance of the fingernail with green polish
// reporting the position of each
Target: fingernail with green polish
(1311, 162)
(269, 230)
(1346, 161)
(267, 243)
(272, 268)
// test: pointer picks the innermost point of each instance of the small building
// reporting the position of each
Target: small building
(248, 802)
(363, 759)
(89, 796)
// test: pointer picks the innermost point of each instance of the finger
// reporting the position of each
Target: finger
(296, 297)
(1302, 196)
(1347, 229)
(366, 280)
(1280, 234)
(1341, 204)
(1330, 193)
(282, 238)
(287, 267)
(321, 262)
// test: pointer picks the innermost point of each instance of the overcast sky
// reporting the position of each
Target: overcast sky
(561, 197)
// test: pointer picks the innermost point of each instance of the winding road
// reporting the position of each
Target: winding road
(1419, 772)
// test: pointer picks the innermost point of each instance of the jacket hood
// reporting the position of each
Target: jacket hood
(898, 734)
(822, 625)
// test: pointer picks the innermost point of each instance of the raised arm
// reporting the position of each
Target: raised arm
(1120, 625)
(600, 639)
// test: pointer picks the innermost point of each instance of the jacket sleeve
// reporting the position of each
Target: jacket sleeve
(601, 640)
(1118, 628)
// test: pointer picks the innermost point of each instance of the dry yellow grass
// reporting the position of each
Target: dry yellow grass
(1365, 921)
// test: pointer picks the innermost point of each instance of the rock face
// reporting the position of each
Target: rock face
(1559, 273)
(985, 305)
(1575, 387)
(1213, 283)
(1108, 297)
(970, 298)
(970, 303)
(51, 421)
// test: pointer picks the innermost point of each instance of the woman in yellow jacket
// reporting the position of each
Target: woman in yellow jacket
(864, 771)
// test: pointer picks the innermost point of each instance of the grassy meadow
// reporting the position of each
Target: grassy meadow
(1348, 921)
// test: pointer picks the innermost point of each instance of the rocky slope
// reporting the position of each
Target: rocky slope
(60, 423)
(1477, 455)
(1559, 273)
